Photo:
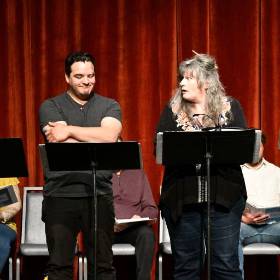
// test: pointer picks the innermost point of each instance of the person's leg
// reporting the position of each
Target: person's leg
(250, 234)
(270, 233)
(225, 233)
(7, 237)
(241, 258)
(105, 231)
(61, 217)
(142, 237)
(257, 234)
(186, 242)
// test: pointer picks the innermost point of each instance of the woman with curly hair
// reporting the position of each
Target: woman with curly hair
(200, 102)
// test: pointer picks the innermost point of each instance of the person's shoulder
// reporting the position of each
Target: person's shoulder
(58, 98)
(134, 171)
(167, 106)
(233, 105)
(104, 99)
(272, 165)
(167, 109)
(105, 103)
(232, 100)
(61, 96)
(139, 171)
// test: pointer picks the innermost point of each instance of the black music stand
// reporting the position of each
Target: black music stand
(7, 196)
(223, 146)
(12, 165)
(13, 162)
(92, 157)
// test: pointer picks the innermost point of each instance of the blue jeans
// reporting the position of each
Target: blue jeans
(269, 233)
(189, 234)
(7, 237)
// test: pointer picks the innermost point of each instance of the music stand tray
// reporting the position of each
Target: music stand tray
(81, 156)
(7, 196)
(13, 162)
(228, 146)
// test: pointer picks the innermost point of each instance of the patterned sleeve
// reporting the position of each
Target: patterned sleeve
(149, 208)
(8, 181)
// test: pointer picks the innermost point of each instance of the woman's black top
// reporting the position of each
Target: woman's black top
(185, 185)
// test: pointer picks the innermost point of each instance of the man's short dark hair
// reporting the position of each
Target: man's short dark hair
(75, 57)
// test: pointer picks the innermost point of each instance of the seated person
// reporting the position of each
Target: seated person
(133, 199)
(262, 181)
(7, 225)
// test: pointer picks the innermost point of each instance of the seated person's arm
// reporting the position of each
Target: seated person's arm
(149, 207)
(149, 210)
(9, 211)
(249, 218)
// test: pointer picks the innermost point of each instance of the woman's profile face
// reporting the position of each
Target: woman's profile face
(190, 90)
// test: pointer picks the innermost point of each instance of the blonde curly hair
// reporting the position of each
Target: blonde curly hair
(204, 68)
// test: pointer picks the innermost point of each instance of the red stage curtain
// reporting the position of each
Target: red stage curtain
(137, 45)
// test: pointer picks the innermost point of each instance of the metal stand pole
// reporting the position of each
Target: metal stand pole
(95, 221)
(208, 160)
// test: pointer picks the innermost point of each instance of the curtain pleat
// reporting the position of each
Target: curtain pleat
(270, 77)
(138, 46)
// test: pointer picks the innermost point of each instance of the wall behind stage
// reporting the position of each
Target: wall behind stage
(137, 45)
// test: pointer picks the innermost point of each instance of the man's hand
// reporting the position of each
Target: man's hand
(121, 227)
(135, 216)
(1, 216)
(257, 218)
(56, 132)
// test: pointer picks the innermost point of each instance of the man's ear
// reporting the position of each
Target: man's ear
(66, 79)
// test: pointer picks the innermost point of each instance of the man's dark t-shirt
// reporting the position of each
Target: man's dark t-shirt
(64, 108)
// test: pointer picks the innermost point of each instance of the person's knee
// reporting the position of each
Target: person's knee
(146, 233)
(269, 238)
(252, 239)
(5, 247)
(228, 262)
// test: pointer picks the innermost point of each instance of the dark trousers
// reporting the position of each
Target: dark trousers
(189, 235)
(64, 218)
(143, 239)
